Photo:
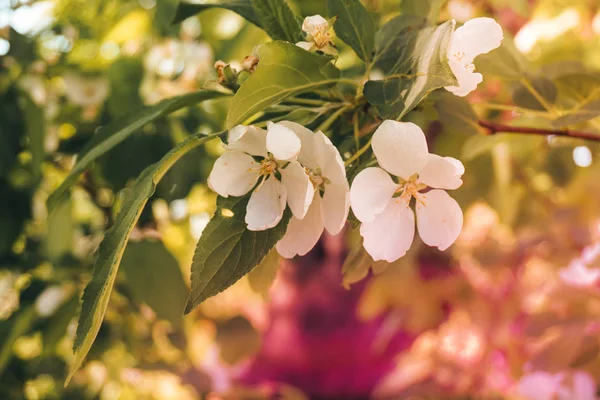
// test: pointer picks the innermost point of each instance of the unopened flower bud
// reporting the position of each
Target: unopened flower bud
(249, 64)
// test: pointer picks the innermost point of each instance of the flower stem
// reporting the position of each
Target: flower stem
(306, 102)
(494, 128)
(359, 153)
(508, 107)
(329, 121)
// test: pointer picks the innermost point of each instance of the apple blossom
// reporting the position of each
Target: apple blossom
(269, 157)
(577, 273)
(319, 35)
(477, 36)
(382, 204)
(331, 199)
(85, 91)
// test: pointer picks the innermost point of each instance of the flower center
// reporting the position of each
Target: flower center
(268, 166)
(411, 189)
(459, 55)
(317, 178)
(321, 37)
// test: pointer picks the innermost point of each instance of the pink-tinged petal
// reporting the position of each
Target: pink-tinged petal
(307, 138)
(539, 385)
(282, 142)
(335, 207)
(389, 236)
(312, 24)
(467, 80)
(440, 220)
(442, 172)
(266, 206)
(302, 235)
(329, 160)
(477, 36)
(249, 139)
(584, 387)
(370, 192)
(300, 190)
(579, 275)
(234, 174)
(400, 148)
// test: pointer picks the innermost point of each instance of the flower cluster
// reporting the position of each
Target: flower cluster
(286, 164)
(289, 165)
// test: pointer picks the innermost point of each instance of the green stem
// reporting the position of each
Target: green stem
(356, 132)
(359, 153)
(306, 102)
(531, 89)
(511, 108)
(329, 121)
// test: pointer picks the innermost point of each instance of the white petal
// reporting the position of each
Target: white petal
(302, 235)
(467, 81)
(307, 156)
(335, 207)
(584, 387)
(233, 174)
(370, 192)
(300, 190)
(312, 23)
(440, 220)
(477, 36)
(308, 46)
(391, 233)
(249, 139)
(329, 160)
(266, 205)
(442, 172)
(400, 148)
(282, 142)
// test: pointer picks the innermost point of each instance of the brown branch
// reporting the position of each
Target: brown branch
(494, 128)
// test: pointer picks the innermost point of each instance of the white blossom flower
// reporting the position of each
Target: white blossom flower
(85, 91)
(254, 155)
(543, 385)
(50, 299)
(9, 295)
(477, 36)
(331, 200)
(319, 35)
(382, 204)
(577, 273)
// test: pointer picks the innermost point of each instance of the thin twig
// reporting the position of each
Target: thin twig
(494, 128)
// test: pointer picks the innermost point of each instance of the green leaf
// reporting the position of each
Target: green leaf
(262, 276)
(244, 8)
(110, 136)
(505, 62)
(278, 20)
(523, 97)
(357, 265)
(20, 324)
(36, 132)
(354, 25)
(580, 92)
(154, 277)
(428, 9)
(58, 324)
(284, 70)
(479, 145)
(415, 61)
(97, 293)
(61, 228)
(584, 113)
(227, 250)
(456, 114)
